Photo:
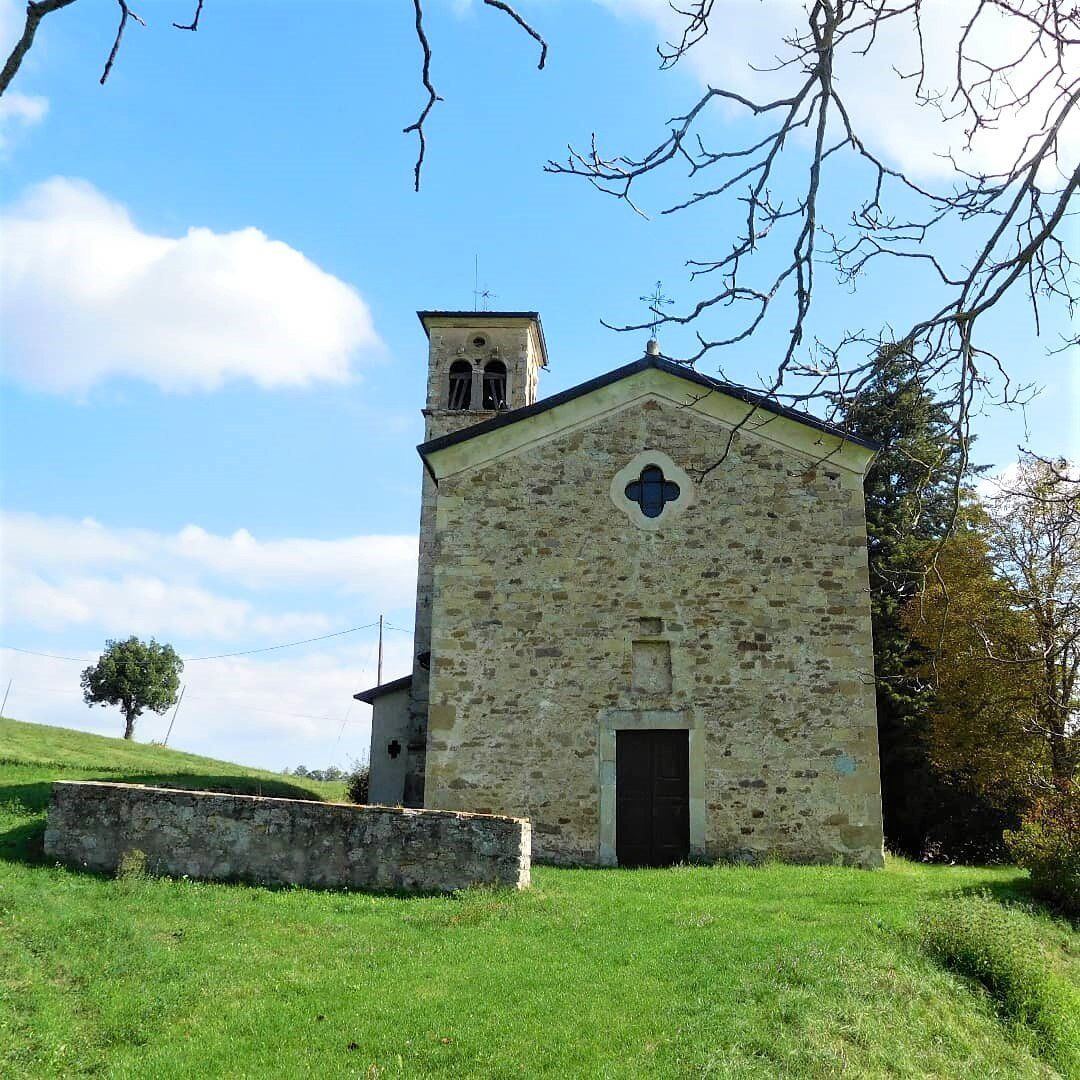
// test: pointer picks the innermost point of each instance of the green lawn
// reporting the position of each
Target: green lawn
(721, 971)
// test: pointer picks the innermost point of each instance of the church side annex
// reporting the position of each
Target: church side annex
(651, 658)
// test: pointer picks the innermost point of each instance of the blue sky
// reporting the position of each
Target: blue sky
(213, 369)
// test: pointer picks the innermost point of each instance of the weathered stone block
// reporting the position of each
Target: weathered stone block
(216, 837)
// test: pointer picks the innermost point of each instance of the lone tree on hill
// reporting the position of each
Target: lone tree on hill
(135, 675)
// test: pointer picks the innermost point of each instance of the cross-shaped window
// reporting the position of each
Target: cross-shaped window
(651, 491)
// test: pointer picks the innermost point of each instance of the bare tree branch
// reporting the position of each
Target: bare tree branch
(418, 124)
(125, 14)
(36, 10)
(194, 24)
(504, 7)
(1019, 217)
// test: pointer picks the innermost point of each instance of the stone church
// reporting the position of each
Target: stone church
(642, 614)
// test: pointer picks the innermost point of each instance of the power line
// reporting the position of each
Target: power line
(217, 656)
(348, 713)
(220, 656)
(33, 690)
(51, 656)
(341, 731)
(165, 741)
(285, 645)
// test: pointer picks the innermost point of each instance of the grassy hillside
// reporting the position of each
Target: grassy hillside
(719, 971)
(66, 749)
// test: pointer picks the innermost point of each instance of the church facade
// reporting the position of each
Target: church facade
(643, 615)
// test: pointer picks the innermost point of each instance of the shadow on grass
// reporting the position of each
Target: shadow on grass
(23, 843)
(1015, 891)
(1020, 890)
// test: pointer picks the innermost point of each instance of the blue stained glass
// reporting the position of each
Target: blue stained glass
(651, 491)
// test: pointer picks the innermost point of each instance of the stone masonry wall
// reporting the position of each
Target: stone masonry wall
(450, 340)
(759, 586)
(218, 837)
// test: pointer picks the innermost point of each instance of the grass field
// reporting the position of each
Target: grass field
(720, 971)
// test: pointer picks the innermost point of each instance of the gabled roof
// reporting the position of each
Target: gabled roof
(369, 696)
(646, 363)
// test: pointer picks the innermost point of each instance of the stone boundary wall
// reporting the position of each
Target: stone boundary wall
(216, 837)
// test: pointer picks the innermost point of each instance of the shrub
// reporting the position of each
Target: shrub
(356, 782)
(1047, 845)
(998, 947)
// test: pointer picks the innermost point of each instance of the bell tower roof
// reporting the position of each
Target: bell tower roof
(465, 319)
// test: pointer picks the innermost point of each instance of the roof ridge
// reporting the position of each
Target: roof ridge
(660, 363)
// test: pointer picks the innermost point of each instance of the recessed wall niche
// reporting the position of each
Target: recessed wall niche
(651, 666)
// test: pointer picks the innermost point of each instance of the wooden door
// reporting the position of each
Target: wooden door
(652, 797)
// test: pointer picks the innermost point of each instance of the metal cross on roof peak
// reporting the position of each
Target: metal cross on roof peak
(657, 301)
(482, 299)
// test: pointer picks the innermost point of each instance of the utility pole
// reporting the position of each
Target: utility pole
(378, 676)
(175, 711)
(6, 692)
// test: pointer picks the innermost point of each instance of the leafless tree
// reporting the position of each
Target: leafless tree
(1013, 220)
(36, 10)
(1012, 223)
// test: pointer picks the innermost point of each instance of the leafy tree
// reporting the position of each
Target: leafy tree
(1000, 622)
(910, 494)
(979, 710)
(1034, 538)
(135, 675)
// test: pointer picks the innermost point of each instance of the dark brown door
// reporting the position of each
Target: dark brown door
(652, 797)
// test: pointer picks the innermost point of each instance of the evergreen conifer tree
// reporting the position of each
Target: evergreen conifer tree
(910, 492)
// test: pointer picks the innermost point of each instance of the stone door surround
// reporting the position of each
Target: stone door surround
(613, 720)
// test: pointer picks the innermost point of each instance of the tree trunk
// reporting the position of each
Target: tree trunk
(129, 723)
(1062, 766)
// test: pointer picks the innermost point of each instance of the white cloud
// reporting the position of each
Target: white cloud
(57, 573)
(383, 567)
(147, 606)
(19, 111)
(86, 295)
(12, 18)
(882, 106)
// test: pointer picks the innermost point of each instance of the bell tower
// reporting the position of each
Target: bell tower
(480, 364)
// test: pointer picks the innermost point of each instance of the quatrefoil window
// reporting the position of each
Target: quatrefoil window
(651, 491)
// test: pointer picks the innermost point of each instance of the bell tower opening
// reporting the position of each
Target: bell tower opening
(494, 385)
(459, 392)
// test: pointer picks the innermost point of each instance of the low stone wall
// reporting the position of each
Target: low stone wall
(217, 837)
